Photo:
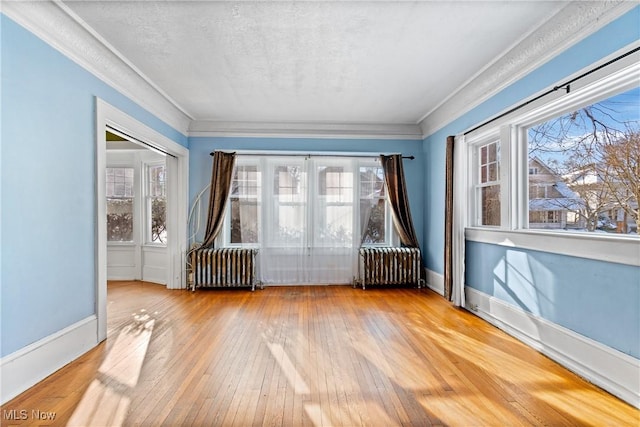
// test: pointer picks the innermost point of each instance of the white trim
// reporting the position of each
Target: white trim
(435, 281)
(459, 219)
(597, 246)
(101, 241)
(614, 371)
(205, 128)
(569, 26)
(33, 363)
(54, 23)
(106, 114)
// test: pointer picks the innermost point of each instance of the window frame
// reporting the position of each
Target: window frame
(147, 202)
(514, 230)
(135, 199)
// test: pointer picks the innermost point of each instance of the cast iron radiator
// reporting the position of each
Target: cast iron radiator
(223, 267)
(390, 266)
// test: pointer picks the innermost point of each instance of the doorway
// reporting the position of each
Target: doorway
(109, 118)
(136, 185)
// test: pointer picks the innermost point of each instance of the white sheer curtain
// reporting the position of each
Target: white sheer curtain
(309, 218)
(460, 202)
(283, 252)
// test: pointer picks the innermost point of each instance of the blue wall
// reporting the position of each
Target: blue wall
(608, 40)
(200, 160)
(597, 299)
(48, 182)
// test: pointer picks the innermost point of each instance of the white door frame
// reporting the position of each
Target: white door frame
(177, 201)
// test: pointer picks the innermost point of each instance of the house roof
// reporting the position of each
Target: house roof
(556, 204)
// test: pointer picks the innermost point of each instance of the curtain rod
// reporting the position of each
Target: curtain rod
(314, 155)
(566, 86)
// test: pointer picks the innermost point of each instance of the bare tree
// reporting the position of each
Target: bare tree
(596, 150)
(621, 164)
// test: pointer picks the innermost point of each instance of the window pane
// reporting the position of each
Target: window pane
(490, 205)
(288, 182)
(245, 182)
(120, 220)
(119, 188)
(289, 225)
(336, 183)
(489, 161)
(493, 172)
(244, 206)
(156, 204)
(157, 178)
(119, 182)
(587, 162)
(373, 221)
(244, 221)
(373, 214)
(159, 220)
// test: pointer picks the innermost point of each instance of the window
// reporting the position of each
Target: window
(590, 157)
(568, 166)
(334, 206)
(288, 224)
(374, 215)
(156, 204)
(488, 184)
(120, 196)
(244, 205)
(307, 215)
(545, 217)
(318, 202)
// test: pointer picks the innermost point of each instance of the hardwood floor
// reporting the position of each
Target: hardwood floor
(309, 356)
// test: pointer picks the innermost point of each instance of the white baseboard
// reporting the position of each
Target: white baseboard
(154, 274)
(33, 363)
(614, 371)
(435, 281)
(120, 277)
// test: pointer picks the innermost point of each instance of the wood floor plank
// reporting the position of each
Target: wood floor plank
(309, 356)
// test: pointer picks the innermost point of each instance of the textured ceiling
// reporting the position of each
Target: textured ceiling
(320, 62)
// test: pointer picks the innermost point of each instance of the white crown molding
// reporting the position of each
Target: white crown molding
(206, 128)
(571, 24)
(57, 26)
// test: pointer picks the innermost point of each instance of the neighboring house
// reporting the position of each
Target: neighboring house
(552, 204)
(609, 214)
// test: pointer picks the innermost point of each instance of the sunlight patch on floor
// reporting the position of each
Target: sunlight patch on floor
(565, 402)
(315, 414)
(106, 402)
(289, 370)
(448, 412)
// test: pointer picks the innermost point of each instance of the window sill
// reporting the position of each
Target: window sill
(121, 244)
(602, 247)
(154, 246)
